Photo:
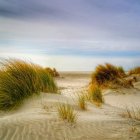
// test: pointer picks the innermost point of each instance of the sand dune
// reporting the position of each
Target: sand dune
(37, 119)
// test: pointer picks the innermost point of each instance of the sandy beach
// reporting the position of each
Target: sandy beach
(69, 69)
(37, 118)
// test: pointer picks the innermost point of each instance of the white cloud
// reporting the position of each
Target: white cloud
(63, 35)
(74, 63)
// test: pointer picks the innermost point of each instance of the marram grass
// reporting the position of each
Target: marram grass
(82, 102)
(48, 84)
(132, 113)
(135, 70)
(20, 80)
(110, 76)
(95, 94)
(106, 73)
(66, 112)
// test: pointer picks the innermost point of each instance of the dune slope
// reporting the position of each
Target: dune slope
(37, 119)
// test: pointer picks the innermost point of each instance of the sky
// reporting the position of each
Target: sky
(71, 35)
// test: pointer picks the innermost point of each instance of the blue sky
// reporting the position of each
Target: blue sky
(69, 33)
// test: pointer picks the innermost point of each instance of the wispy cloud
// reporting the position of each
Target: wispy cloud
(82, 28)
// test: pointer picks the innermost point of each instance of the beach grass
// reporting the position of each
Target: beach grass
(66, 112)
(105, 73)
(135, 70)
(95, 94)
(132, 113)
(48, 83)
(82, 102)
(20, 80)
(110, 76)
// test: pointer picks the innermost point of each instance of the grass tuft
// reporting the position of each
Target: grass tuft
(95, 94)
(110, 76)
(121, 71)
(20, 80)
(135, 70)
(66, 112)
(82, 102)
(105, 73)
(48, 84)
(132, 113)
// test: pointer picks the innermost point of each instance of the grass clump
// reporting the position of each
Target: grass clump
(20, 80)
(121, 71)
(48, 84)
(110, 76)
(135, 70)
(119, 83)
(105, 73)
(66, 112)
(95, 94)
(132, 113)
(82, 102)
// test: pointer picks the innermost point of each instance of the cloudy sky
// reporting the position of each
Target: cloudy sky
(71, 34)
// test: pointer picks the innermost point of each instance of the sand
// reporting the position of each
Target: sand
(37, 118)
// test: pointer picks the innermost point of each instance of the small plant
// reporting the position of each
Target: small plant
(82, 102)
(66, 112)
(95, 94)
(133, 113)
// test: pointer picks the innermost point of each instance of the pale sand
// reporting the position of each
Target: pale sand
(37, 118)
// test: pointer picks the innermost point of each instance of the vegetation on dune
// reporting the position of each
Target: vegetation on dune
(95, 94)
(135, 70)
(109, 75)
(48, 84)
(52, 72)
(19, 80)
(82, 102)
(105, 73)
(121, 71)
(66, 112)
(132, 113)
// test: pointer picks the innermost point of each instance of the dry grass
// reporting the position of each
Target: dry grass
(66, 112)
(119, 83)
(121, 71)
(110, 76)
(82, 102)
(132, 113)
(20, 80)
(135, 70)
(48, 84)
(95, 94)
(106, 73)
(52, 72)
